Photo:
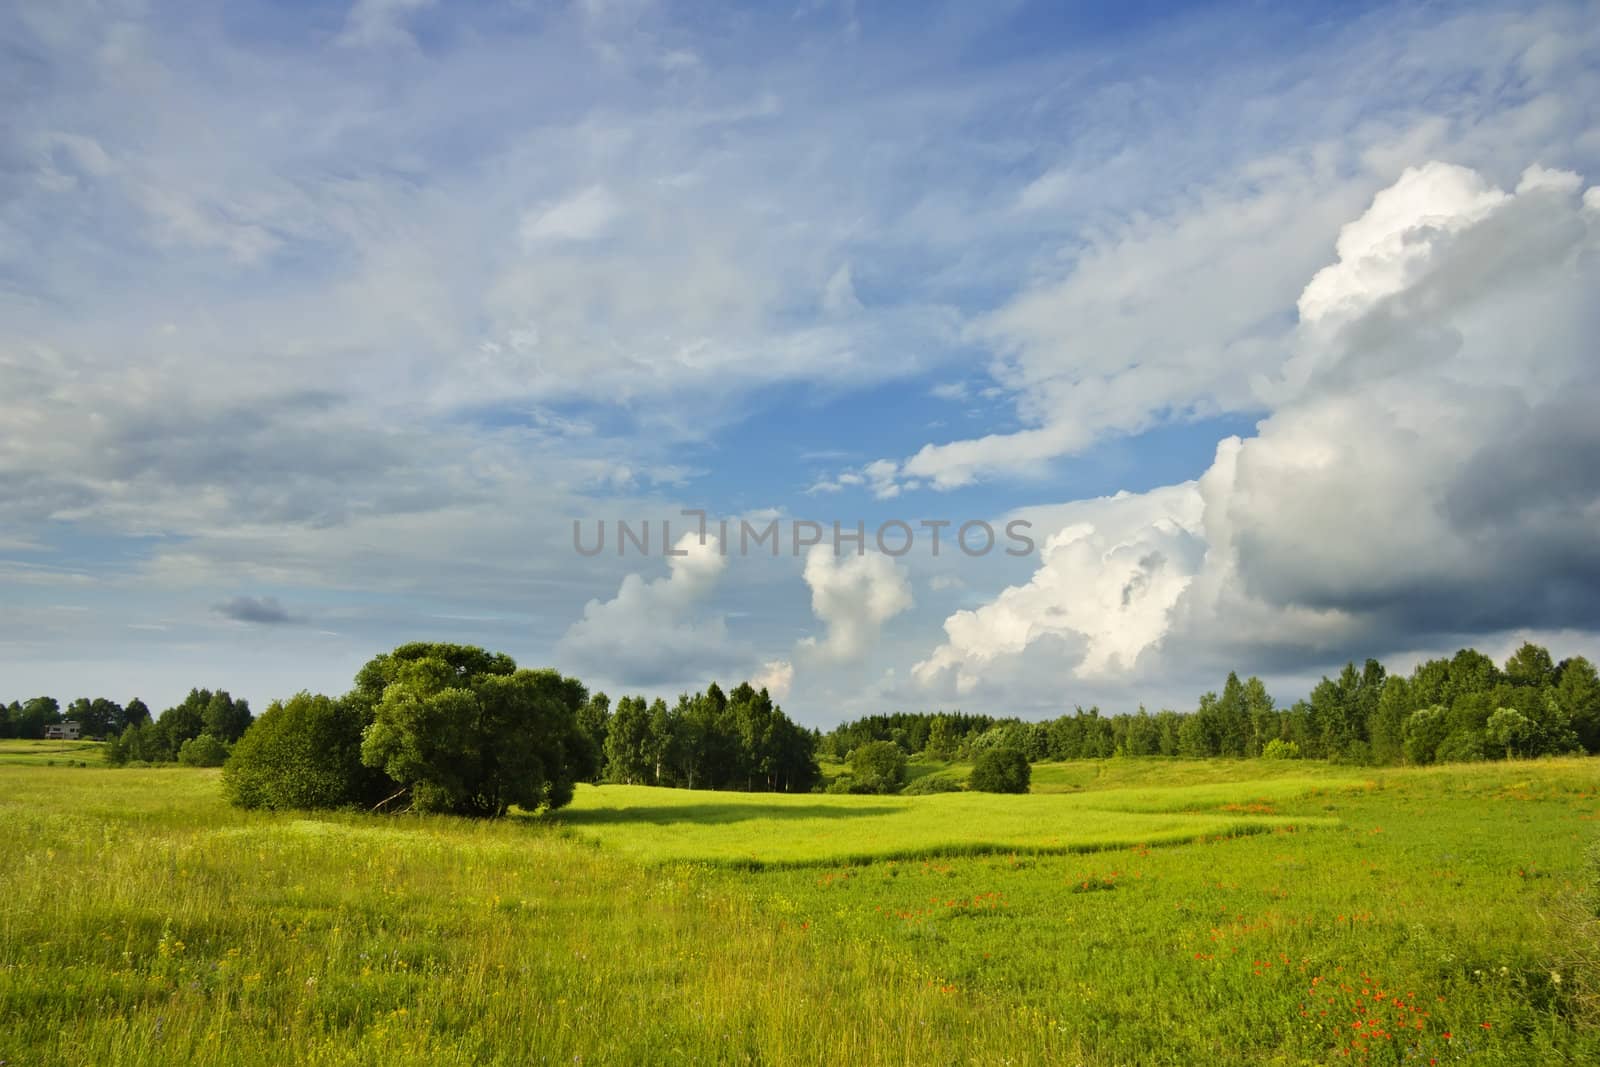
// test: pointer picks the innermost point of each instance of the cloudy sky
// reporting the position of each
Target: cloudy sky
(321, 323)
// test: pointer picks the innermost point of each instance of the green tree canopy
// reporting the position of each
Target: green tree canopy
(1001, 770)
(463, 730)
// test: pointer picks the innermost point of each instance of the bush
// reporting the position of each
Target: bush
(303, 753)
(1463, 746)
(933, 783)
(1001, 770)
(1278, 748)
(203, 751)
(878, 767)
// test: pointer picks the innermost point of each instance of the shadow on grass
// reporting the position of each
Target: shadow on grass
(712, 813)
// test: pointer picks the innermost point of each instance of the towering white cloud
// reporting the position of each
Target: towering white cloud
(1432, 466)
(853, 596)
(660, 629)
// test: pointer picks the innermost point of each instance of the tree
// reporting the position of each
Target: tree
(1143, 737)
(1423, 732)
(628, 754)
(1265, 724)
(1001, 770)
(304, 752)
(662, 744)
(594, 719)
(463, 730)
(97, 717)
(1531, 665)
(1195, 737)
(1511, 728)
(203, 751)
(942, 739)
(878, 767)
(225, 718)
(1232, 718)
(1387, 726)
(1577, 691)
(30, 718)
(137, 713)
(179, 723)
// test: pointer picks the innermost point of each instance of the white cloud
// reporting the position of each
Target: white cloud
(853, 596)
(583, 216)
(1108, 578)
(776, 677)
(658, 629)
(1430, 471)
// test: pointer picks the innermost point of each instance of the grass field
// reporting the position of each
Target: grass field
(144, 921)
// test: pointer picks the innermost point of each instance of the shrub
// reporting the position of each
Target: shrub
(1463, 746)
(303, 753)
(203, 751)
(1001, 770)
(1424, 733)
(1278, 748)
(878, 767)
(933, 783)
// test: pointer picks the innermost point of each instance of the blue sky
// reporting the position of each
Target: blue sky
(321, 323)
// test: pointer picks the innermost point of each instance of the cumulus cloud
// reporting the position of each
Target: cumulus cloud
(853, 596)
(776, 677)
(657, 630)
(1107, 582)
(1432, 467)
(261, 611)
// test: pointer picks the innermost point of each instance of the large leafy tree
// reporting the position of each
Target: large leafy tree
(463, 730)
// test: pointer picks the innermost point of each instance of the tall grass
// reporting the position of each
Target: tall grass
(142, 921)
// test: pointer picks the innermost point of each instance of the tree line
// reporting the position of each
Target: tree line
(453, 728)
(707, 740)
(1463, 707)
(98, 718)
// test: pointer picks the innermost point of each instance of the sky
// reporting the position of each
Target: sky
(322, 324)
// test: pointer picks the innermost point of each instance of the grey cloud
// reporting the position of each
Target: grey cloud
(262, 611)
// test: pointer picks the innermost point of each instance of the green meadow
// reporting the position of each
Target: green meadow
(1127, 911)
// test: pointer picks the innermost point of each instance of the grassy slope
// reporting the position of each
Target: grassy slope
(24, 753)
(142, 921)
(744, 829)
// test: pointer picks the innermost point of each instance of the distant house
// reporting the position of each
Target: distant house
(63, 731)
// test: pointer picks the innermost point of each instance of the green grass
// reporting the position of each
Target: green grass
(142, 921)
(765, 830)
(47, 753)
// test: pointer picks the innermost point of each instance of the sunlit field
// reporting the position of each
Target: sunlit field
(1298, 915)
(773, 830)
